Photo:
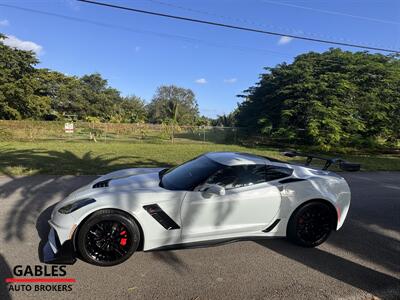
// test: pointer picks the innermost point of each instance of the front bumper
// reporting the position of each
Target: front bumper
(55, 253)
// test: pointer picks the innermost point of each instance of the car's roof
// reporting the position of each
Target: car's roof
(236, 158)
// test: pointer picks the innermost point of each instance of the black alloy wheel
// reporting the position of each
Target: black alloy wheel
(311, 225)
(108, 238)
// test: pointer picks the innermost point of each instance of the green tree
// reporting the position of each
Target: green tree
(29, 92)
(331, 98)
(89, 95)
(203, 121)
(173, 104)
(225, 120)
(20, 89)
(132, 110)
(101, 100)
(70, 100)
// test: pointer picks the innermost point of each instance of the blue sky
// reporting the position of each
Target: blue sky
(136, 53)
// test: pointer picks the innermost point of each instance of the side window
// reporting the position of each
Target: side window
(274, 172)
(225, 177)
(238, 176)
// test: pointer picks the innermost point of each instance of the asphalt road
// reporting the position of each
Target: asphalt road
(361, 261)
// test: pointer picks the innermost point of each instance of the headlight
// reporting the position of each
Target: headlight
(69, 208)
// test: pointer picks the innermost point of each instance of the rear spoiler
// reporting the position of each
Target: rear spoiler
(344, 165)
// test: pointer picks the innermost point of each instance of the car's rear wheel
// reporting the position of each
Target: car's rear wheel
(108, 238)
(311, 224)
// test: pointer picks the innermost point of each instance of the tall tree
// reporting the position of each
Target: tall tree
(101, 99)
(173, 104)
(29, 92)
(331, 98)
(19, 85)
(132, 109)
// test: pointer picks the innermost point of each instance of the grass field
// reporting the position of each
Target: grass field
(73, 158)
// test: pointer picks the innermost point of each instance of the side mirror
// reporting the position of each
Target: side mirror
(213, 189)
(162, 172)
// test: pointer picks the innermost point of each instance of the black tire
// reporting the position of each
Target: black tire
(311, 224)
(108, 238)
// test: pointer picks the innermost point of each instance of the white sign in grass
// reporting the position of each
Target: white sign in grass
(69, 127)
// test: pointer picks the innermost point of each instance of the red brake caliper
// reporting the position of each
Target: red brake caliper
(123, 240)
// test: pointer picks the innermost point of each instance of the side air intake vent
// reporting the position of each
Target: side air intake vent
(101, 184)
(161, 216)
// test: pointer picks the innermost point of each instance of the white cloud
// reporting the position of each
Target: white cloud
(4, 22)
(15, 42)
(284, 40)
(201, 81)
(230, 80)
(73, 5)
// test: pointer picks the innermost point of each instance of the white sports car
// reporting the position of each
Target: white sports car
(213, 198)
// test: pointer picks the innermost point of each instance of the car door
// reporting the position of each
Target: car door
(249, 205)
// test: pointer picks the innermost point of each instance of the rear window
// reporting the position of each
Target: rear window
(275, 172)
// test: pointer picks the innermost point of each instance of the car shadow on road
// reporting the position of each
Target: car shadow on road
(369, 233)
(362, 277)
(372, 227)
(172, 259)
(30, 196)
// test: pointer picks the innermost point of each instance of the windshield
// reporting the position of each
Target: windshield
(190, 174)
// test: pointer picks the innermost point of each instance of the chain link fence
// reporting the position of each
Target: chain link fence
(106, 132)
(28, 130)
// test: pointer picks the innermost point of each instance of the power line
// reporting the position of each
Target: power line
(153, 13)
(182, 38)
(331, 12)
(252, 23)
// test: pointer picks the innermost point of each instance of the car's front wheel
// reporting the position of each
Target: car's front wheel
(311, 224)
(108, 238)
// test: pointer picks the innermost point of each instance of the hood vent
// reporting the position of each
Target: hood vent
(101, 184)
